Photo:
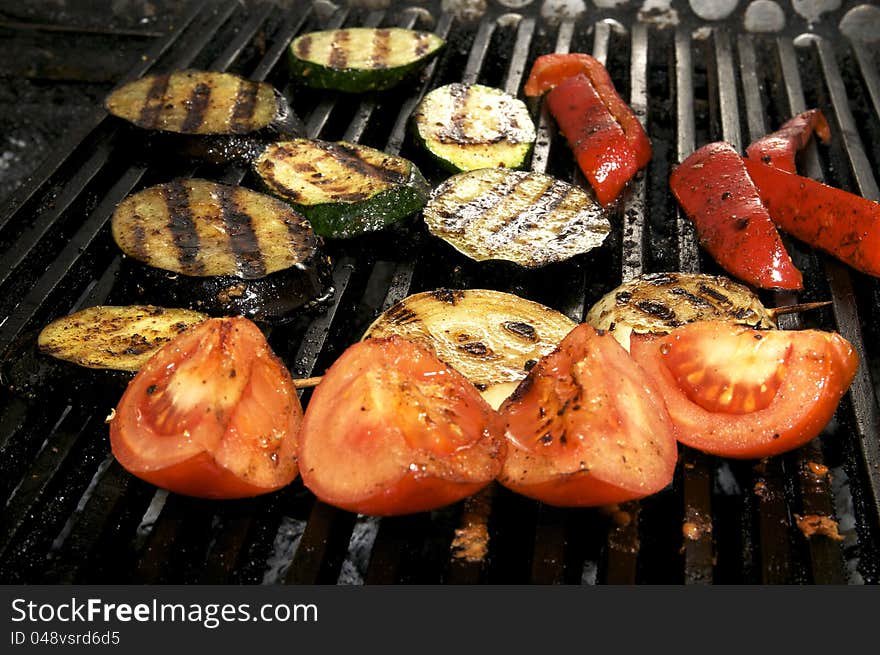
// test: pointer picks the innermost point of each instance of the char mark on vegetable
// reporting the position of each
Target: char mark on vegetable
(657, 309)
(182, 228)
(456, 131)
(381, 48)
(450, 296)
(712, 293)
(661, 279)
(151, 110)
(242, 238)
(521, 329)
(197, 106)
(693, 299)
(339, 50)
(401, 315)
(243, 109)
(351, 159)
(423, 43)
(138, 238)
(304, 46)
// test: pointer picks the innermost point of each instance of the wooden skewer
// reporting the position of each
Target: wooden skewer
(305, 383)
(795, 309)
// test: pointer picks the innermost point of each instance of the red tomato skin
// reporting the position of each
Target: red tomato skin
(821, 367)
(839, 223)
(613, 411)
(552, 69)
(596, 139)
(195, 451)
(779, 148)
(357, 414)
(718, 196)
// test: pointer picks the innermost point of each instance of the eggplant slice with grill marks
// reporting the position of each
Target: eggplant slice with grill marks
(222, 250)
(661, 302)
(530, 219)
(490, 337)
(209, 115)
(344, 189)
(471, 126)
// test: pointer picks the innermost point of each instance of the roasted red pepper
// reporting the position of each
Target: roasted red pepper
(716, 193)
(779, 148)
(596, 139)
(609, 170)
(842, 224)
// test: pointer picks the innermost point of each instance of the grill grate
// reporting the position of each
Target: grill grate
(71, 514)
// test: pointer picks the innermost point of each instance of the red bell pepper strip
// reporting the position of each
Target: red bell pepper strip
(840, 223)
(779, 148)
(550, 70)
(596, 139)
(716, 193)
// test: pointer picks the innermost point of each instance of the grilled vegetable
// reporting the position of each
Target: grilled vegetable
(660, 302)
(779, 148)
(527, 218)
(212, 414)
(490, 337)
(467, 127)
(221, 249)
(587, 428)
(110, 337)
(361, 58)
(835, 221)
(342, 188)
(718, 196)
(219, 109)
(393, 430)
(603, 131)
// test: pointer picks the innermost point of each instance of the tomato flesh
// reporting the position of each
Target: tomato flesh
(806, 372)
(393, 430)
(212, 414)
(586, 428)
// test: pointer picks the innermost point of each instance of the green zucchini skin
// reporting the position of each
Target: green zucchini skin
(361, 59)
(467, 127)
(357, 189)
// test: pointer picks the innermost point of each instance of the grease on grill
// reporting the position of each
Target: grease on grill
(816, 524)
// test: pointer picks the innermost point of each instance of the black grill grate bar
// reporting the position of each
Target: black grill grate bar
(516, 69)
(63, 152)
(870, 74)
(243, 37)
(546, 128)
(826, 556)
(695, 467)
(291, 26)
(864, 402)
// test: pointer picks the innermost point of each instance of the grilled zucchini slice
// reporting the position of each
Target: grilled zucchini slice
(660, 302)
(221, 249)
(530, 219)
(471, 126)
(343, 189)
(120, 338)
(359, 59)
(490, 337)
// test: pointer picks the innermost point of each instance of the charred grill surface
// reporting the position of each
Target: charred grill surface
(71, 514)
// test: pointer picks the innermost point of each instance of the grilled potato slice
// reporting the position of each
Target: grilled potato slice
(659, 302)
(490, 337)
(530, 219)
(121, 338)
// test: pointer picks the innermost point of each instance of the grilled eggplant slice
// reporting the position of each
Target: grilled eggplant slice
(221, 115)
(343, 189)
(471, 126)
(222, 250)
(660, 302)
(530, 219)
(361, 59)
(120, 338)
(490, 337)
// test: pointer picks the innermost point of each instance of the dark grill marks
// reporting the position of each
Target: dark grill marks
(455, 132)
(423, 43)
(381, 48)
(197, 105)
(304, 47)
(153, 103)
(243, 109)
(350, 158)
(242, 238)
(696, 301)
(657, 309)
(139, 239)
(339, 50)
(182, 228)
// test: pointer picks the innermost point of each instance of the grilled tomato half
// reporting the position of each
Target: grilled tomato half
(587, 428)
(212, 414)
(739, 392)
(393, 430)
